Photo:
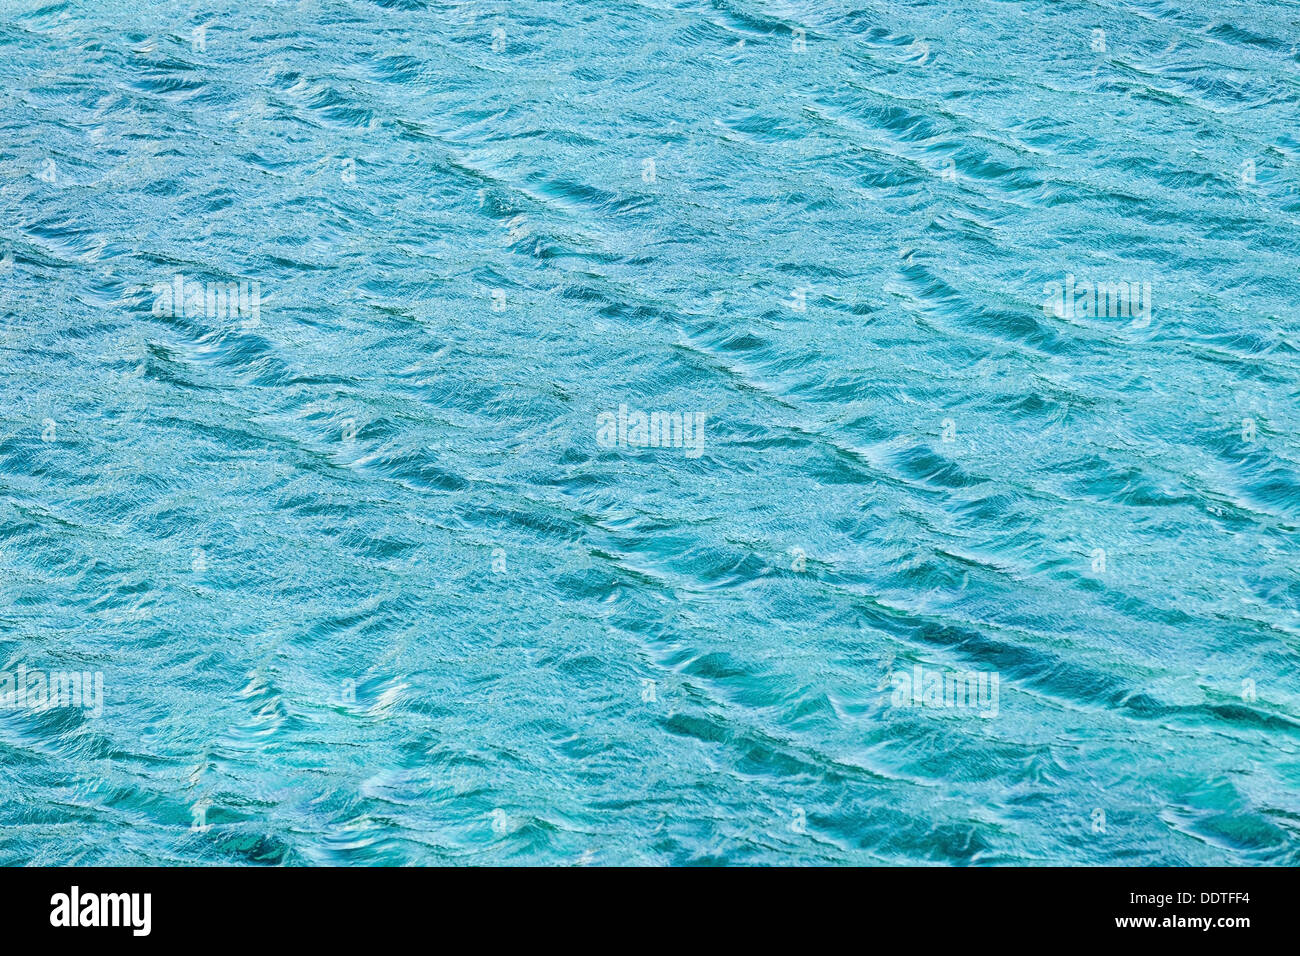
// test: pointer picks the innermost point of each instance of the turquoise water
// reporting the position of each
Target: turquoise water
(375, 554)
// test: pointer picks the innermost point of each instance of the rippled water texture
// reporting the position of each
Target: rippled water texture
(374, 563)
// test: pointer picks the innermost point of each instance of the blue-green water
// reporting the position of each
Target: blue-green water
(375, 568)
